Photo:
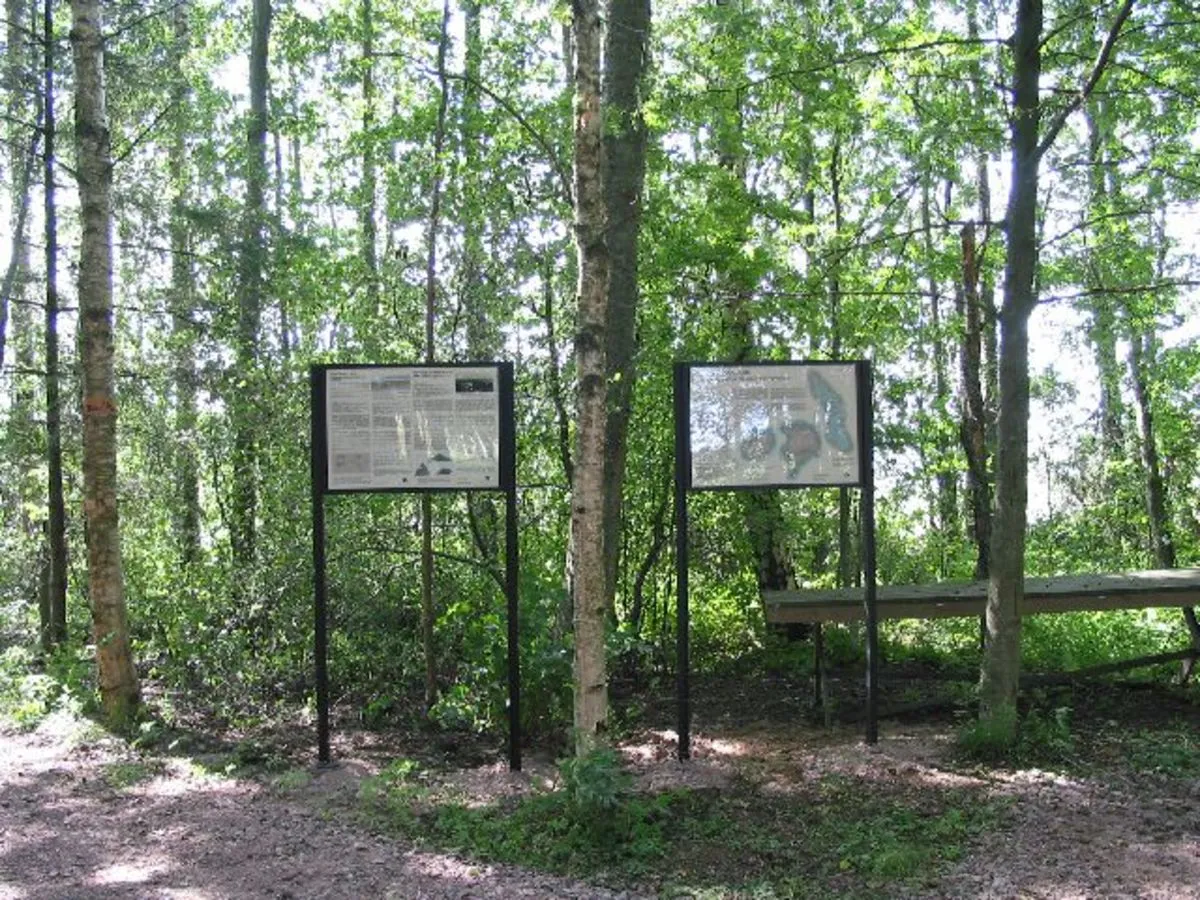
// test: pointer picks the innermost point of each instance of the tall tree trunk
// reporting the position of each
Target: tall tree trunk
(482, 333)
(367, 230)
(482, 319)
(21, 162)
(626, 54)
(428, 613)
(847, 563)
(1000, 670)
(55, 628)
(118, 680)
(589, 553)
(973, 426)
(761, 510)
(244, 525)
(978, 364)
(1102, 329)
(1141, 355)
(186, 514)
(944, 507)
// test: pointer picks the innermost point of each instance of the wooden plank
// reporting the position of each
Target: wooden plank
(1069, 593)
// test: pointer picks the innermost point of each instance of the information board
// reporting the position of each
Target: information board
(412, 427)
(768, 425)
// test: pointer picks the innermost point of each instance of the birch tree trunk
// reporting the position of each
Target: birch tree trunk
(118, 680)
(591, 340)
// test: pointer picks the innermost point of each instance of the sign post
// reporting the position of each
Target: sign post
(413, 428)
(772, 425)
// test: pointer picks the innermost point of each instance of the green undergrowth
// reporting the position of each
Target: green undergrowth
(34, 687)
(1043, 736)
(1173, 752)
(832, 837)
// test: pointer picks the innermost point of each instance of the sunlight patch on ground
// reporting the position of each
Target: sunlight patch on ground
(701, 745)
(129, 872)
(11, 892)
(184, 777)
(436, 865)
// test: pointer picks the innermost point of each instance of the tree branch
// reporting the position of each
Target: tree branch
(564, 177)
(1089, 85)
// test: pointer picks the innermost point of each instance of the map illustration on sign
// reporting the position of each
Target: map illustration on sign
(410, 428)
(774, 425)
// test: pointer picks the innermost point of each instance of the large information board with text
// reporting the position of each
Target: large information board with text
(413, 428)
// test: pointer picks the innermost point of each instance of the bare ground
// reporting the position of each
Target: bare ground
(71, 827)
(67, 831)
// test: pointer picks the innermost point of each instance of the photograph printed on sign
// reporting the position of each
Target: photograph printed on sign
(768, 425)
(413, 428)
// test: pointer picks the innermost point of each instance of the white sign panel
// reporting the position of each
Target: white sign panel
(413, 428)
(774, 425)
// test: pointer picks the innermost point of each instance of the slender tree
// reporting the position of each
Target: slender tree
(626, 59)
(1000, 669)
(182, 305)
(432, 233)
(244, 514)
(21, 160)
(118, 680)
(588, 547)
(55, 627)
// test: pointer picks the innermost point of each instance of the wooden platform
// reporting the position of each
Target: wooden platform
(1067, 593)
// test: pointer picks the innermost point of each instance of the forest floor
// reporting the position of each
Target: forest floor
(770, 806)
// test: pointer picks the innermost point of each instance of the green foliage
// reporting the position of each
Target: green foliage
(1175, 753)
(990, 740)
(545, 830)
(32, 689)
(125, 774)
(1041, 737)
(595, 785)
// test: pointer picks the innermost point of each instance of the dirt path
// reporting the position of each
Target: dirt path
(81, 819)
(66, 831)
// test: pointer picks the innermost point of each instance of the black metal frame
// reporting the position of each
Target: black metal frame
(683, 485)
(507, 475)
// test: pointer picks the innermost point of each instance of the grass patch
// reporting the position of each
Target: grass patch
(1042, 737)
(292, 780)
(126, 774)
(845, 838)
(1174, 753)
(832, 838)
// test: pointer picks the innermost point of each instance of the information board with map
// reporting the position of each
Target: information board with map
(412, 428)
(765, 425)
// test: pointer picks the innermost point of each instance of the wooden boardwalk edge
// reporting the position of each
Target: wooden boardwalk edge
(1071, 593)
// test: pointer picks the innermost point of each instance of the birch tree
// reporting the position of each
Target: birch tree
(588, 488)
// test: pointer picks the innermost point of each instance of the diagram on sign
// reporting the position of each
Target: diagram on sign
(765, 425)
(413, 428)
